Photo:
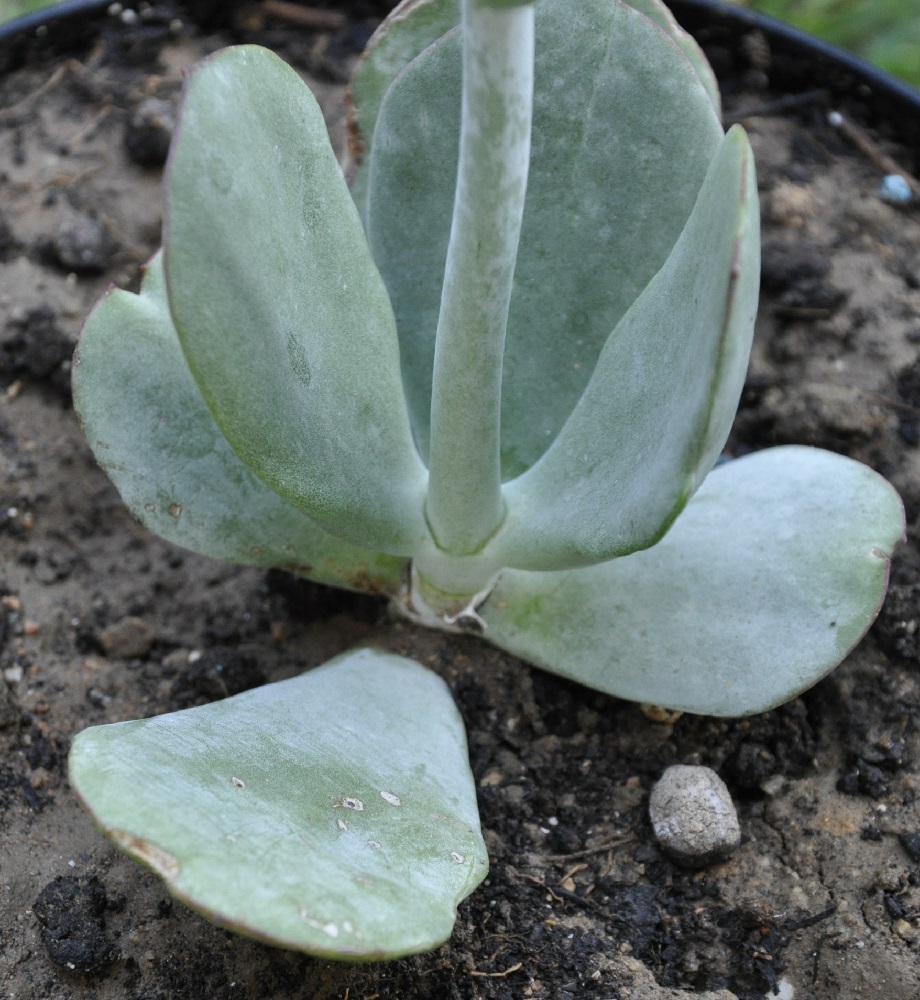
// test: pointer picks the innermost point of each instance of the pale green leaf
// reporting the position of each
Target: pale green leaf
(770, 576)
(665, 20)
(623, 133)
(334, 813)
(415, 24)
(151, 431)
(281, 313)
(407, 30)
(662, 398)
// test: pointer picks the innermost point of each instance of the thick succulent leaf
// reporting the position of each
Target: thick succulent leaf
(409, 28)
(281, 313)
(334, 813)
(774, 571)
(623, 132)
(662, 398)
(415, 24)
(665, 20)
(151, 431)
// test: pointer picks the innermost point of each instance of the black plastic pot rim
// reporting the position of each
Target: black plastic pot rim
(794, 40)
(40, 18)
(783, 35)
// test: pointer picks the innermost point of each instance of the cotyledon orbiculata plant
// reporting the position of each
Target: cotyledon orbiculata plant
(491, 380)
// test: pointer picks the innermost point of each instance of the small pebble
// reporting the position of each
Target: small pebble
(127, 639)
(773, 785)
(784, 990)
(895, 190)
(905, 930)
(693, 816)
(84, 245)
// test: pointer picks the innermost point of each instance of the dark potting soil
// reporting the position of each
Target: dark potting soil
(98, 619)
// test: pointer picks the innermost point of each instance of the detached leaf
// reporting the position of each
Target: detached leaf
(334, 813)
(771, 575)
(152, 433)
(623, 133)
(282, 316)
(662, 398)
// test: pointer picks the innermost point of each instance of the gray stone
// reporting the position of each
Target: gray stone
(83, 244)
(693, 816)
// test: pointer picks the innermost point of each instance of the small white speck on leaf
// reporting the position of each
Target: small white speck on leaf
(457, 857)
(342, 825)
(375, 844)
(328, 928)
(350, 803)
(394, 800)
(237, 782)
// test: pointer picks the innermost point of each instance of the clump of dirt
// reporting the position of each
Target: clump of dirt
(71, 912)
(101, 622)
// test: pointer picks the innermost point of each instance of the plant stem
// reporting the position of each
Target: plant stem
(465, 505)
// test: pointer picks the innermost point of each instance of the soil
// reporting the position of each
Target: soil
(99, 619)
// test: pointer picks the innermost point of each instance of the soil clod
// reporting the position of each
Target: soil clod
(71, 911)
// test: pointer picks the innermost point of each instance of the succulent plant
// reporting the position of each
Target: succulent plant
(492, 381)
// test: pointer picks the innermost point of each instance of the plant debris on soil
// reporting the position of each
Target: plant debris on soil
(100, 621)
